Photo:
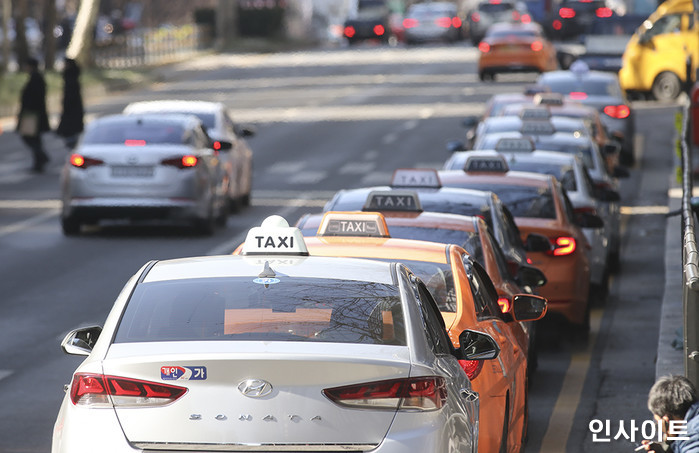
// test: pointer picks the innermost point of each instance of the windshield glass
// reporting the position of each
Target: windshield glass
(523, 201)
(142, 133)
(241, 309)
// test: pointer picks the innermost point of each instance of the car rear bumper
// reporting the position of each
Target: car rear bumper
(141, 209)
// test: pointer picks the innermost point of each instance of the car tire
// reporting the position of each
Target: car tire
(666, 86)
(71, 226)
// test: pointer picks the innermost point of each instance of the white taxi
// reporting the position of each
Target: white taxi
(271, 351)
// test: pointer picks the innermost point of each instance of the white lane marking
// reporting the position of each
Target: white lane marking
(357, 168)
(435, 165)
(308, 177)
(5, 373)
(19, 226)
(30, 204)
(389, 138)
(377, 178)
(410, 125)
(561, 421)
(294, 202)
(286, 194)
(286, 167)
(371, 155)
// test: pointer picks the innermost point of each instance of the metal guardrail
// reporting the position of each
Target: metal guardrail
(690, 256)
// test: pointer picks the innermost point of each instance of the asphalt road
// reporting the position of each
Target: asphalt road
(325, 120)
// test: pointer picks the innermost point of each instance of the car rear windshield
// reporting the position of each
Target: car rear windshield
(523, 201)
(494, 8)
(564, 173)
(132, 132)
(511, 33)
(591, 86)
(250, 309)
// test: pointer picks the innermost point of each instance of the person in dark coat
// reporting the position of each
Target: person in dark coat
(673, 399)
(33, 119)
(71, 124)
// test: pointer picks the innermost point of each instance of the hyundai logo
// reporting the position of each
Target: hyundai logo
(255, 388)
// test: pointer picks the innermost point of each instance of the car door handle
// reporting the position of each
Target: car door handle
(469, 395)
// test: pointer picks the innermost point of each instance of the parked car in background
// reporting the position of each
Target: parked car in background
(434, 21)
(489, 12)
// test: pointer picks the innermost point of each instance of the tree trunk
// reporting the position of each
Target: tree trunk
(49, 37)
(21, 47)
(6, 45)
(80, 46)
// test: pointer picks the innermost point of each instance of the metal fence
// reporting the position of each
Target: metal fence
(690, 257)
(150, 46)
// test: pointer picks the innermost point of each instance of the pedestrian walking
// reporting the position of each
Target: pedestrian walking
(71, 124)
(33, 119)
(673, 402)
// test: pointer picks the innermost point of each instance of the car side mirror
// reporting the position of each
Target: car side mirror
(530, 276)
(477, 346)
(81, 341)
(528, 307)
(537, 243)
(587, 219)
(455, 145)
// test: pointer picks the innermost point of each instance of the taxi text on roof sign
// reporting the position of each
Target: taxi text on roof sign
(274, 237)
(515, 144)
(537, 128)
(492, 164)
(392, 200)
(416, 177)
(369, 224)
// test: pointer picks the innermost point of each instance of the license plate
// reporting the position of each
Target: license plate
(132, 172)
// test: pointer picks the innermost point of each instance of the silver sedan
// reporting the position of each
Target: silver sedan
(144, 167)
(271, 351)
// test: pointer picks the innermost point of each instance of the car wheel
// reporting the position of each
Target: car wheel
(70, 225)
(666, 87)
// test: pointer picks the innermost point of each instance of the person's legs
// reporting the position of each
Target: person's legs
(38, 153)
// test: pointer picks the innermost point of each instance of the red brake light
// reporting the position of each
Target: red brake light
(536, 46)
(472, 368)
(516, 16)
(505, 304)
(182, 162)
(557, 25)
(566, 13)
(410, 23)
(578, 95)
(563, 246)
(217, 146)
(444, 22)
(379, 30)
(603, 12)
(100, 390)
(617, 111)
(79, 161)
(135, 142)
(529, 260)
(350, 31)
(526, 18)
(419, 393)
(484, 47)
(456, 22)
(475, 17)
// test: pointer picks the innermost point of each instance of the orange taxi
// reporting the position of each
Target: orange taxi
(466, 297)
(539, 205)
(515, 47)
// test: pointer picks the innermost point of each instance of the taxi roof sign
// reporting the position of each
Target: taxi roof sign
(486, 164)
(537, 128)
(548, 99)
(535, 113)
(364, 224)
(274, 237)
(392, 200)
(416, 177)
(515, 144)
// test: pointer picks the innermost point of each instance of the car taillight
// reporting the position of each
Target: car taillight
(80, 161)
(536, 46)
(135, 142)
(408, 394)
(444, 22)
(484, 47)
(577, 95)
(456, 22)
(182, 162)
(557, 25)
(566, 13)
(617, 111)
(562, 246)
(99, 390)
(350, 31)
(410, 23)
(475, 17)
(526, 18)
(516, 16)
(603, 12)
(505, 304)
(379, 30)
(472, 368)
